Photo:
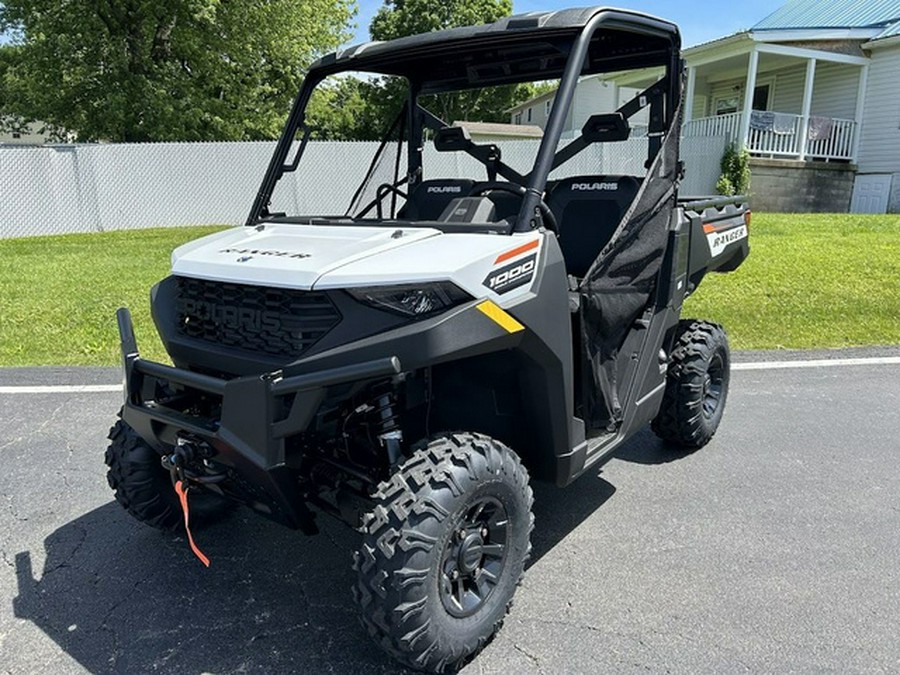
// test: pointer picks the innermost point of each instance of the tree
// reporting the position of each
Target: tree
(344, 108)
(157, 70)
(399, 18)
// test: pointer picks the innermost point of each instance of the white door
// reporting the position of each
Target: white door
(871, 193)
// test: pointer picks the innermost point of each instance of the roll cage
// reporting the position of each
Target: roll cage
(526, 48)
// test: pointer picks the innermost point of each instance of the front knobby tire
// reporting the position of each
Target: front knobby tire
(696, 385)
(443, 551)
(144, 489)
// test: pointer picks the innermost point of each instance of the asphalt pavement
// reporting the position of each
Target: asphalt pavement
(775, 548)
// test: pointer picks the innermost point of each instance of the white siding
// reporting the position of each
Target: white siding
(879, 150)
(29, 135)
(789, 84)
(834, 91)
(591, 96)
(836, 86)
(538, 109)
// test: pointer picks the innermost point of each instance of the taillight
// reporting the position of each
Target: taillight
(747, 215)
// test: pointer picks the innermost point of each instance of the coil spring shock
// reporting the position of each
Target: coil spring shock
(386, 421)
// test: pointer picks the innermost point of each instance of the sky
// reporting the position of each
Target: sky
(699, 20)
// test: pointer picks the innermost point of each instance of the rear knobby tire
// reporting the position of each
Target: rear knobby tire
(144, 488)
(696, 385)
(443, 551)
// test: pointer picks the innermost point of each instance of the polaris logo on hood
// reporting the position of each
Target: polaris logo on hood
(268, 252)
(445, 189)
(591, 187)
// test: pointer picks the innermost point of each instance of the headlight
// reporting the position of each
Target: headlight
(415, 300)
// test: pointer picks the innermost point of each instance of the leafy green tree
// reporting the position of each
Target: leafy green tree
(398, 18)
(345, 107)
(156, 70)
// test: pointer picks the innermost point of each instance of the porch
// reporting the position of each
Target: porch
(778, 101)
(780, 135)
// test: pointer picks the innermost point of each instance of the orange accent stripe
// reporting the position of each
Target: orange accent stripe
(516, 251)
(183, 500)
(709, 228)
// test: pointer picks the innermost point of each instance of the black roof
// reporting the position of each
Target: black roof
(423, 56)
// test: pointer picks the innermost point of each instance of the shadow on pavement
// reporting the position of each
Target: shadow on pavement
(557, 512)
(118, 596)
(646, 448)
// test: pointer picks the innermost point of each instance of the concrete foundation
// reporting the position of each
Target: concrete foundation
(789, 186)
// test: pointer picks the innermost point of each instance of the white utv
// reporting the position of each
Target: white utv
(410, 364)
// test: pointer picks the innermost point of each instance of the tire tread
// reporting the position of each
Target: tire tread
(392, 530)
(680, 419)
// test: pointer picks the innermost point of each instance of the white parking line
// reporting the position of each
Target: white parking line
(759, 365)
(818, 363)
(63, 389)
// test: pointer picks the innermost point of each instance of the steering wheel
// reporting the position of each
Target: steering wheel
(546, 214)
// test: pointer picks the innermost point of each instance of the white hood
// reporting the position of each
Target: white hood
(288, 256)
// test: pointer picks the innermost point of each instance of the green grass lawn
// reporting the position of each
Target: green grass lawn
(811, 281)
(60, 294)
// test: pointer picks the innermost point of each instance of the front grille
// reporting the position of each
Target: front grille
(275, 321)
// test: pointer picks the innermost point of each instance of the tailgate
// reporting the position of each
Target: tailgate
(720, 229)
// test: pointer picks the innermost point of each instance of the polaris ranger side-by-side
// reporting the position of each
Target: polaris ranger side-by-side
(411, 363)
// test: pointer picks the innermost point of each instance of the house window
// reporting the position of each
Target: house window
(547, 106)
(529, 113)
(761, 97)
(725, 105)
(518, 118)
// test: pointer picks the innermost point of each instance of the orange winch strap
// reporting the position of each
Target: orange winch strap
(183, 498)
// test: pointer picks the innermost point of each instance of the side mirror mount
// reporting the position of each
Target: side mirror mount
(452, 139)
(606, 128)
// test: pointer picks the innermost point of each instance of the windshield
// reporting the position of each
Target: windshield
(368, 147)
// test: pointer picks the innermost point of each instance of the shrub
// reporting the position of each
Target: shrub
(735, 178)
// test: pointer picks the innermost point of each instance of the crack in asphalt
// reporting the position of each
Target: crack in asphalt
(65, 563)
(275, 595)
(529, 656)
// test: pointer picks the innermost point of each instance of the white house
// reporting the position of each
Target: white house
(23, 134)
(593, 94)
(811, 91)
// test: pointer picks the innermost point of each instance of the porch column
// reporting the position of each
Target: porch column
(689, 94)
(748, 97)
(860, 105)
(807, 104)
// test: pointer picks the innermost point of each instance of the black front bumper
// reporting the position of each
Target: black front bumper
(258, 413)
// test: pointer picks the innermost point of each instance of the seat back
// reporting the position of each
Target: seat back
(588, 210)
(429, 198)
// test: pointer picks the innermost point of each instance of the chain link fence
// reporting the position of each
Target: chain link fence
(93, 188)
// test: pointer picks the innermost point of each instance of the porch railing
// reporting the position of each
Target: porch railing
(831, 139)
(837, 145)
(720, 125)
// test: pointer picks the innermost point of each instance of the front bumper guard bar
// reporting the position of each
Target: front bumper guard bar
(258, 413)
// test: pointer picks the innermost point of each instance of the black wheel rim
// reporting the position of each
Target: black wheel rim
(474, 557)
(713, 385)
